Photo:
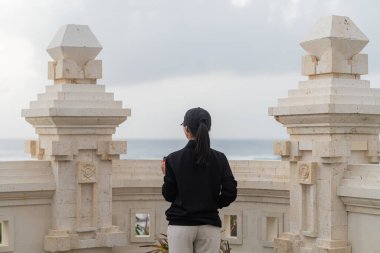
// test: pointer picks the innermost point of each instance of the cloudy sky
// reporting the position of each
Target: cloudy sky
(162, 57)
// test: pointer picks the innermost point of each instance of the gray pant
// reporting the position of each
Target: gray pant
(194, 239)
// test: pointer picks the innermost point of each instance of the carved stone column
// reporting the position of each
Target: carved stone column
(75, 119)
(333, 121)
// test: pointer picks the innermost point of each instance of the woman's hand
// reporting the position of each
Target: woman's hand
(163, 165)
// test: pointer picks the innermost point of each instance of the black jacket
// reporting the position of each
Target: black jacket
(197, 192)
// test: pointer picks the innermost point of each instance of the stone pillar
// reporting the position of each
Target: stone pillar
(332, 120)
(75, 119)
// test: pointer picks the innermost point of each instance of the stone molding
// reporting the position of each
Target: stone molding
(87, 173)
(360, 190)
(262, 181)
(307, 172)
(61, 240)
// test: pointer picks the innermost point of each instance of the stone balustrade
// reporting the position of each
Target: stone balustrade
(262, 204)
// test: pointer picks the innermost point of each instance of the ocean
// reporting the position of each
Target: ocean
(12, 149)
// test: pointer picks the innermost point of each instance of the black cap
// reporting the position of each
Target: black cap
(195, 116)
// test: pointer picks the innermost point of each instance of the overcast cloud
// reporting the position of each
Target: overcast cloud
(162, 57)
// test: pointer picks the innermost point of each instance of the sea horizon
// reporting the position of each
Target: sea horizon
(12, 149)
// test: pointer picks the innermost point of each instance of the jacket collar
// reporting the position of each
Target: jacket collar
(190, 144)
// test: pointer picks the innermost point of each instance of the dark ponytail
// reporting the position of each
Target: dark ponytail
(198, 121)
(202, 147)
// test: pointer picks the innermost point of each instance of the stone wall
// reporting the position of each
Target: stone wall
(261, 209)
(26, 190)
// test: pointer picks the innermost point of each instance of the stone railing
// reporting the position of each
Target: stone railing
(261, 209)
(26, 191)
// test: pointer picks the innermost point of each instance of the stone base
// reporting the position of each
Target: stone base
(292, 243)
(334, 250)
(59, 240)
(332, 246)
(93, 250)
(282, 245)
(287, 243)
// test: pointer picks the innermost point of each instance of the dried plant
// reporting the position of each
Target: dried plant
(162, 246)
(224, 246)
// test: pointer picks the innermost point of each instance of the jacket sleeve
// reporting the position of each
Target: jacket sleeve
(169, 188)
(229, 186)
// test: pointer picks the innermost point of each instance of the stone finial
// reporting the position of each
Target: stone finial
(76, 42)
(333, 45)
(337, 33)
(74, 48)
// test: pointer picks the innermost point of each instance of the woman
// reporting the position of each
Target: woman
(198, 181)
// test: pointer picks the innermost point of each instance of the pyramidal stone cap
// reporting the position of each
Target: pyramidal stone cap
(336, 33)
(76, 42)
